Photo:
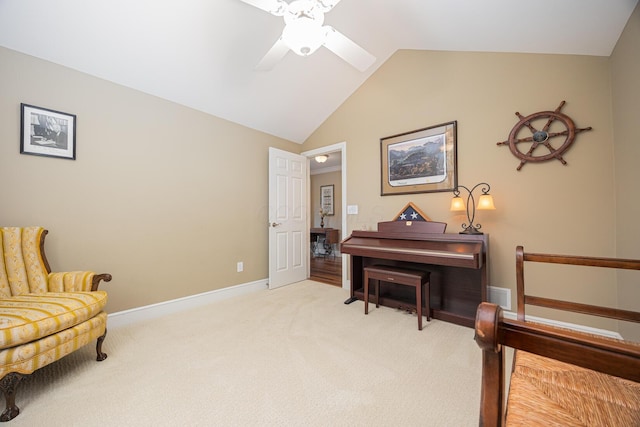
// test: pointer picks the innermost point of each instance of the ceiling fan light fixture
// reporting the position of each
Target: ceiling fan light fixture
(304, 35)
(305, 32)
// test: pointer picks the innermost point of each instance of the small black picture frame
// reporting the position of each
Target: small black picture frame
(45, 132)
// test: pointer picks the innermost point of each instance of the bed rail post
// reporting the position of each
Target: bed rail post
(493, 360)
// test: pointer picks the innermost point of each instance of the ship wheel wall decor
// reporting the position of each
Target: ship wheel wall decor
(539, 147)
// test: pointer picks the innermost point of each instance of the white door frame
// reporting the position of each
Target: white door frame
(342, 148)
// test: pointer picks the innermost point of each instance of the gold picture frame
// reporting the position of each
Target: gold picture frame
(420, 161)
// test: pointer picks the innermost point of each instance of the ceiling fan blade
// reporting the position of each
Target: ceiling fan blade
(274, 7)
(346, 49)
(327, 5)
(275, 54)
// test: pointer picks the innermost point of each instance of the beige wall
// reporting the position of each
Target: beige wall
(168, 199)
(547, 207)
(165, 198)
(625, 65)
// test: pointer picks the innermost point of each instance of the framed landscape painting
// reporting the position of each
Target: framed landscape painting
(420, 161)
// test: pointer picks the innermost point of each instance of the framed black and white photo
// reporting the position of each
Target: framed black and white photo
(326, 199)
(45, 132)
(420, 161)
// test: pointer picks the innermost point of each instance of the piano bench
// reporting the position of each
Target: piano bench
(400, 276)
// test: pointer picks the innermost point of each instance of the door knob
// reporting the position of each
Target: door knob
(275, 224)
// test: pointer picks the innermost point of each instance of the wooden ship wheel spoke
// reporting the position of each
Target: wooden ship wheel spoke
(542, 136)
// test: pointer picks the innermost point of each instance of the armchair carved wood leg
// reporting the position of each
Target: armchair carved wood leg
(9, 384)
(101, 355)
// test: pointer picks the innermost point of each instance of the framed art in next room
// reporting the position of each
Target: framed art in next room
(45, 132)
(420, 161)
(326, 199)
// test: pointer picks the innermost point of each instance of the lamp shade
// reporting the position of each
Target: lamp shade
(485, 202)
(457, 204)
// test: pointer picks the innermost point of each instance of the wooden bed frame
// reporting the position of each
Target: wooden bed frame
(493, 333)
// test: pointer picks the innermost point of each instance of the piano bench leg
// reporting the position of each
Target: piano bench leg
(426, 293)
(419, 304)
(366, 292)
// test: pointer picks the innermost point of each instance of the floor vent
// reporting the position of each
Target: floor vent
(500, 296)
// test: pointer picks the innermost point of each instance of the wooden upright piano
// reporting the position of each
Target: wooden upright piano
(457, 264)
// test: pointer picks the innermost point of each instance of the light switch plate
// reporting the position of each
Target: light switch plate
(352, 210)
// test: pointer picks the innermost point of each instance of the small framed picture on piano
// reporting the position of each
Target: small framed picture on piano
(420, 161)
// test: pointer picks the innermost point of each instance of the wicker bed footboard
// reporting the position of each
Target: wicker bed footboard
(559, 377)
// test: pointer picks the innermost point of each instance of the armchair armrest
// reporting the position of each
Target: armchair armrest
(95, 282)
(76, 281)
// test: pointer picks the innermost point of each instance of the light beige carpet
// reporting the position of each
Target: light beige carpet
(295, 356)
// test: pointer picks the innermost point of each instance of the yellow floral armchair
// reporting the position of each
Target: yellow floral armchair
(43, 315)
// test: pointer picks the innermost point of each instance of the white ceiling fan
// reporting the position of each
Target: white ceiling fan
(304, 33)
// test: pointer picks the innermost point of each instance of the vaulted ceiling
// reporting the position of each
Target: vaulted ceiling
(202, 53)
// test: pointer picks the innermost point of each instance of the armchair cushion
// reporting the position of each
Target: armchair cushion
(28, 317)
(27, 358)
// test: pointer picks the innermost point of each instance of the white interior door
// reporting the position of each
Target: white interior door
(288, 233)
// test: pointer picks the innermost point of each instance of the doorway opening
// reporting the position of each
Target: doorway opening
(325, 260)
(326, 269)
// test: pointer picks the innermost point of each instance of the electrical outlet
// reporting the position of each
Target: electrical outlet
(240, 266)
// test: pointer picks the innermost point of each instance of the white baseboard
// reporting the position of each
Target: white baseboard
(147, 312)
(580, 328)
(502, 297)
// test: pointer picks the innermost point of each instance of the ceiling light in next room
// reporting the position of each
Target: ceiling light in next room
(322, 158)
